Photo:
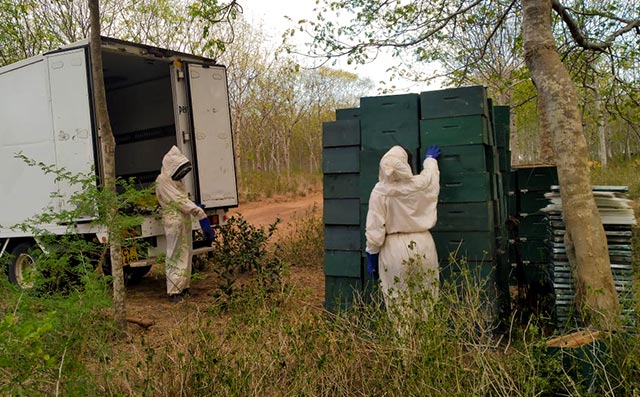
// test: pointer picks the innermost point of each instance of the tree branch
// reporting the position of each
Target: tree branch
(581, 39)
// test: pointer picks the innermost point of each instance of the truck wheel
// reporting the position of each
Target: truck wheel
(22, 270)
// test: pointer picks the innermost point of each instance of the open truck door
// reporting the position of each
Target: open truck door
(213, 152)
(72, 124)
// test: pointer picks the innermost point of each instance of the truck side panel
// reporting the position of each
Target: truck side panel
(25, 127)
(215, 162)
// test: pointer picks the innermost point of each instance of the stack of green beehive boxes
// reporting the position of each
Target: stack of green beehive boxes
(341, 214)
(470, 213)
(472, 206)
(533, 182)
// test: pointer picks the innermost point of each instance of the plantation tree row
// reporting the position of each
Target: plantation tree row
(277, 107)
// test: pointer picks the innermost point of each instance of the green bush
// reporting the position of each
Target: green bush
(241, 250)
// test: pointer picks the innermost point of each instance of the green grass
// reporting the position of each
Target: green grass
(619, 173)
(303, 242)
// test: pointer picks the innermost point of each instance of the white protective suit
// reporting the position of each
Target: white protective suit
(177, 210)
(402, 209)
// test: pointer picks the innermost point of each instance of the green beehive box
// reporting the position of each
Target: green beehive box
(390, 120)
(471, 246)
(341, 292)
(463, 130)
(512, 203)
(493, 159)
(504, 159)
(453, 102)
(341, 133)
(502, 125)
(500, 200)
(465, 217)
(533, 226)
(341, 211)
(366, 185)
(532, 201)
(341, 186)
(403, 106)
(342, 263)
(537, 178)
(346, 114)
(464, 188)
(342, 238)
(338, 160)
(461, 159)
(364, 209)
(534, 250)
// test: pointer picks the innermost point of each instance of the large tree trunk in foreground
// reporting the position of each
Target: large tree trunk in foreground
(108, 146)
(596, 296)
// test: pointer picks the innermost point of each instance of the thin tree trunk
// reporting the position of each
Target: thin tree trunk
(108, 147)
(596, 296)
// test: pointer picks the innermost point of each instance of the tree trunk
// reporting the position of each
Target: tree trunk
(596, 296)
(546, 145)
(108, 148)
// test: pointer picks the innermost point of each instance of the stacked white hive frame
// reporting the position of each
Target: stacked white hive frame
(618, 220)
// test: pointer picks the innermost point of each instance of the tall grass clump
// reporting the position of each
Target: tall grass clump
(302, 244)
(618, 172)
(257, 185)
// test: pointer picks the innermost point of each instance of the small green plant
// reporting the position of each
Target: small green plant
(241, 254)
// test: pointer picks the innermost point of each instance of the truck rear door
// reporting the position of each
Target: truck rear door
(71, 116)
(214, 162)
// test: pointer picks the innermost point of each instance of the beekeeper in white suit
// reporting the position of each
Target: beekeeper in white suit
(402, 209)
(177, 210)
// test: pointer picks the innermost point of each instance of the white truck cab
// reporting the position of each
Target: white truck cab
(156, 98)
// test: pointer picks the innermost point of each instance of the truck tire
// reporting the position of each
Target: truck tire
(22, 269)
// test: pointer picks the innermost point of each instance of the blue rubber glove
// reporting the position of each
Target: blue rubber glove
(207, 230)
(372, 265)
(432, 152)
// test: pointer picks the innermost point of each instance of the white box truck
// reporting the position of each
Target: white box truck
(156, 98)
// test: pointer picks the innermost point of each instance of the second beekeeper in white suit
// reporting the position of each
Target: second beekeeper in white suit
(402, 209)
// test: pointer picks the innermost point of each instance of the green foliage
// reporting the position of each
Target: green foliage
(71, 256)
(241, 250)
(45, 341)
(303, 242)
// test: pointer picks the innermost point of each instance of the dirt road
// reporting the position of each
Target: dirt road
(264, 213)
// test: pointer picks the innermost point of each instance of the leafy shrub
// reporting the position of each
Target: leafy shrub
(241, 249)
